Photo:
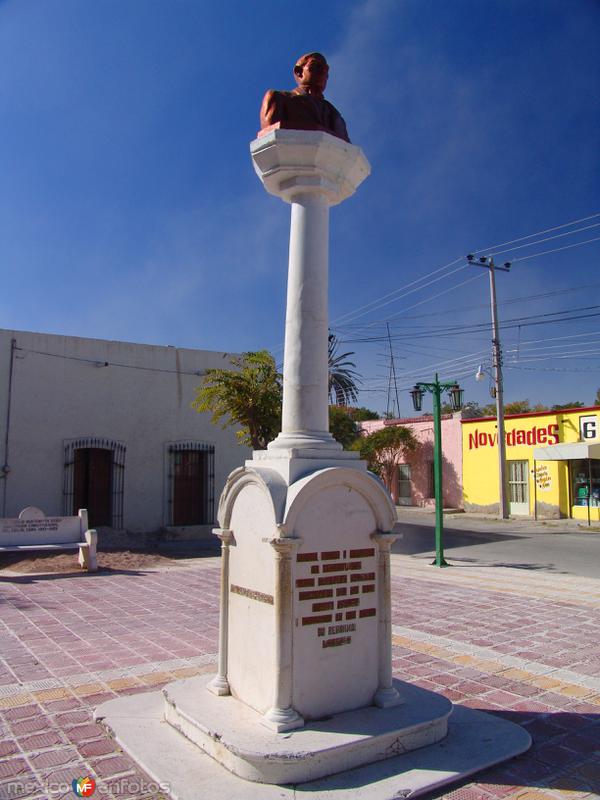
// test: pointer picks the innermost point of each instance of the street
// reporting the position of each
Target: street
(557, 546)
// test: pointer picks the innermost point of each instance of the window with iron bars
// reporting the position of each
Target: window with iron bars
(191, 483)
(93, 478)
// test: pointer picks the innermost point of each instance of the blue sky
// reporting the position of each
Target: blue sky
(129, 208)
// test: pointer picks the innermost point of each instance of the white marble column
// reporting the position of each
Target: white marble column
(311, 170)
(305, 420)
(386, 695)
(282, 716)
(219, 684)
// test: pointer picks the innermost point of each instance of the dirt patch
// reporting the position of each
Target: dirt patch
(114, 560)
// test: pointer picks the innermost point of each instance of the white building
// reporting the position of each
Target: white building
(108, 426)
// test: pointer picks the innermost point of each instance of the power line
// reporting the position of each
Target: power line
(558, 338)
(434, 297)
(554, 369)
(373, 304)
(110, 363)
(515, 322)
(510, 301)
(556, 250)
(395, 291)
(540, 233)
(547, 239)
(394, 299)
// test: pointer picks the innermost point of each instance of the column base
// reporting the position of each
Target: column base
(282, 719)
(387, 698)
(312, 440)
(219, 685)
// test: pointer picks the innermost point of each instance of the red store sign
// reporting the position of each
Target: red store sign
(543, 435)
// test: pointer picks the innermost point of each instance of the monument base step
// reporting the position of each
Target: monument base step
(235, 736)
(475, 741)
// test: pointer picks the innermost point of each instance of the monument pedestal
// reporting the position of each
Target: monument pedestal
(304, 686)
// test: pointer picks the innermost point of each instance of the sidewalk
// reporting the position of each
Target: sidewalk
(514, 642)
(456, 516)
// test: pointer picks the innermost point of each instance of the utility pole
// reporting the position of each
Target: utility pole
(392, 372)
(488, 262)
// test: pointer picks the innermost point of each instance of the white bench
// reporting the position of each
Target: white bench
(33, 530)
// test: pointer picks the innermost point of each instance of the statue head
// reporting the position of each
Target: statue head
(311, 71)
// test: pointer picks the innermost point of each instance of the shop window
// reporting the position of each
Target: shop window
(585, 482)
(93, 479)
(191, 483)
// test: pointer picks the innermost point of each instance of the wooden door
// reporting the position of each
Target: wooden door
(189, 487)
(92, 484)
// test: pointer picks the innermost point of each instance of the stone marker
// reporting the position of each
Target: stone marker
(304, 686)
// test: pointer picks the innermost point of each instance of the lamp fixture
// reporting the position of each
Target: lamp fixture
(417, 397)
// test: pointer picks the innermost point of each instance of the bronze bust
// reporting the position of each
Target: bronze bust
(304, 108)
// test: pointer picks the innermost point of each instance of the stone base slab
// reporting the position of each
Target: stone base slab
(235, 735)
(474, 742)
(295, 463)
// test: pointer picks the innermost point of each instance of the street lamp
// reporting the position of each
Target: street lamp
(455, 394)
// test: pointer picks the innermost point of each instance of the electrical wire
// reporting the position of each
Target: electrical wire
(375, 304)
(555, 250)
(547, 239)
(110, 363)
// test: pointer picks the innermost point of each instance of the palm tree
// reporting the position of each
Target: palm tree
(248, 395)
(343, 378)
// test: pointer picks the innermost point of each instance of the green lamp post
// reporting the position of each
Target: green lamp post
(456, 399)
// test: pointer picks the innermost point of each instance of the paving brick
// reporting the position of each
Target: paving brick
(53, 758)
(98, 747)
(8, 747)
(63, 705)
(70, 718)
(41, 740)
(33, 725)
(109, 767)
(82, 733)
(21, 788)
(13, 767)
(21, 712)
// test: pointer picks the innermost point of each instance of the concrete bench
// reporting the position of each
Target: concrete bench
(33, 530)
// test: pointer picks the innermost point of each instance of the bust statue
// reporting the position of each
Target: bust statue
(304, 108)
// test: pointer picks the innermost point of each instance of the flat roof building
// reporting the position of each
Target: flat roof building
(108, 426)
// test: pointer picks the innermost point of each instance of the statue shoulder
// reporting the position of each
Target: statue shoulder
(273, 107)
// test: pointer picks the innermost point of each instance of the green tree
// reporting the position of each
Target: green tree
(362, 414)
(472, 410)
(385, 448)
(343, 378)
(248, 396)
(562, 406)
(516, 407)
(342, 427)
(597, 398)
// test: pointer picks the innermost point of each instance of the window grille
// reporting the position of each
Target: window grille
(118, 450)
(191, 483)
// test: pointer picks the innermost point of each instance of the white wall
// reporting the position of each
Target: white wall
(141, 399)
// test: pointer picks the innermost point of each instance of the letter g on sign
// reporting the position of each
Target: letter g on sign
(588, 427)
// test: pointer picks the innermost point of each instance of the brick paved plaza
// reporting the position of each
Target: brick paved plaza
(519, 643)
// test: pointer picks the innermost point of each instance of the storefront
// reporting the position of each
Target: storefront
(552, 464)
(583, 462)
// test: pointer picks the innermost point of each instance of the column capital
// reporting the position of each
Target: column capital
(384, 540)
(293, 163)
(225, 535)
(285, 545)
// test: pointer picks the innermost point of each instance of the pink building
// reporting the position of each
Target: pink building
(413, 482)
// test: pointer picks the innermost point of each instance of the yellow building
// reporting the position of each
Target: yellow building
(552, 464)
